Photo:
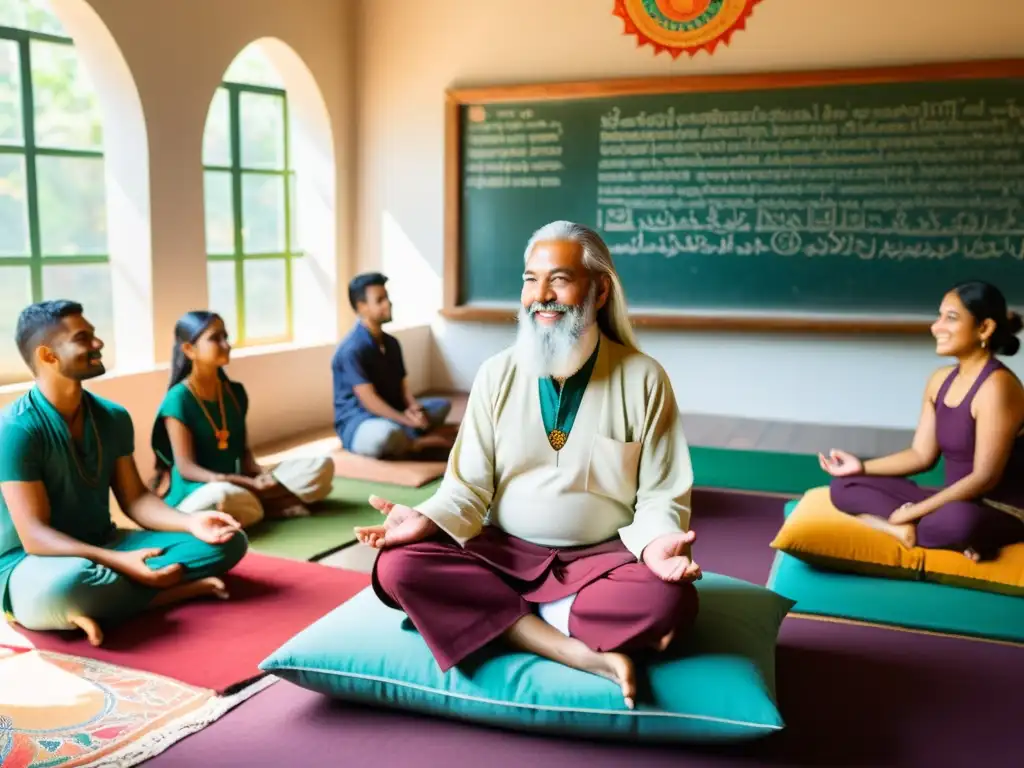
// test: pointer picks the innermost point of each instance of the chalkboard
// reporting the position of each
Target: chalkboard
(842, 200)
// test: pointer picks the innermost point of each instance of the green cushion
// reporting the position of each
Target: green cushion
(897, 602)
(718, 686)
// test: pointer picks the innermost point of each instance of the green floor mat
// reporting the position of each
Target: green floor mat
(330, 526)
(767, 472)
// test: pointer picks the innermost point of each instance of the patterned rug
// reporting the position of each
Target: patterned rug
(60, 710)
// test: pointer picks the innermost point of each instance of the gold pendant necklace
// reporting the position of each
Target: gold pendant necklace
(557, 439)
(221, 433)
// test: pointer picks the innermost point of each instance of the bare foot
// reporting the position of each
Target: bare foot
(208, 587)
(90, 627)
(665, 642)
(533, 634)
(972, 555)
(284, 504)
(215, 587)
(616, 667)
(905, 534)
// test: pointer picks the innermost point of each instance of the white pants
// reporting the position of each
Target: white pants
(308, 478)
(557, 613)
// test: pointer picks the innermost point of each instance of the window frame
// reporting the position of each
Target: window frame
(238, 256)
(30, 151)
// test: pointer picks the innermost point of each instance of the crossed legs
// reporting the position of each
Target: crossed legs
(977, 530)
(385, 439)
(60, 593)
(459, 604)
(301, 481)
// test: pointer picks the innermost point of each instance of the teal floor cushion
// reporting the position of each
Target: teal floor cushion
(898, 602)
(719, 685)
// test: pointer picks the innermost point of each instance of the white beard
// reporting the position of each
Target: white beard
(560, 350)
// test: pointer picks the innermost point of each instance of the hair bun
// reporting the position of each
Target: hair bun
(1014, 323)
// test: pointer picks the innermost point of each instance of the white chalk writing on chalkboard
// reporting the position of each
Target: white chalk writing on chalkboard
(931, 180)
(512, 149)
(792, 243)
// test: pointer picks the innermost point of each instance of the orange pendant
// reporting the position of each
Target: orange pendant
(222, 436)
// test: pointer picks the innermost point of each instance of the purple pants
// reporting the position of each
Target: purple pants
(460, 599)
(958, 525)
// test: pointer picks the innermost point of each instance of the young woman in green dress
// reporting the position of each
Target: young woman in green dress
(200, 437)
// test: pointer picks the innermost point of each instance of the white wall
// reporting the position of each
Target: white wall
(408, 53)
(176, 53)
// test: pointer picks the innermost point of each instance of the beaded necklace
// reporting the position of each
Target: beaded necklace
(222, 433)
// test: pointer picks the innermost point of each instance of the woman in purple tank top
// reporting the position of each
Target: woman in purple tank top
(973, 416)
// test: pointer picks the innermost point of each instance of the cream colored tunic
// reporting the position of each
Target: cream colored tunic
(625, 469)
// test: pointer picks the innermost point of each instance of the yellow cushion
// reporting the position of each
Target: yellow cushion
(819, 534)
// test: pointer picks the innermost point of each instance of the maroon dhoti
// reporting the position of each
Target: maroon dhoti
(460, 599)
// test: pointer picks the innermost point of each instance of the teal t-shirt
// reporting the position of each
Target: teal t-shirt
(180, 404)
(36, 446)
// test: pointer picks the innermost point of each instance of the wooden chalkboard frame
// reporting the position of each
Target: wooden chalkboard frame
(456, 98)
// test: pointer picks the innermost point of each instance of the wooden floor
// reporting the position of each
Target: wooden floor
(789, 437)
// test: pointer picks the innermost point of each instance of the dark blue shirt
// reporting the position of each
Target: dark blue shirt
(360, 360)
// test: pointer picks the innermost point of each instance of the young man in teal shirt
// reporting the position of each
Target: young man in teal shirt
(63, 564)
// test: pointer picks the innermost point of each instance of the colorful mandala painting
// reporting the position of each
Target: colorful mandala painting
(679, 26)
(58, 710)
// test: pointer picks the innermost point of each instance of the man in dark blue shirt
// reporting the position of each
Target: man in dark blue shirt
(375, 414)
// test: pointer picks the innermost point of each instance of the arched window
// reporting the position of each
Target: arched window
(250, 213)
(53, 219)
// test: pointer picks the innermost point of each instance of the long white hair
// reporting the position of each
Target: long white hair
(613, 317)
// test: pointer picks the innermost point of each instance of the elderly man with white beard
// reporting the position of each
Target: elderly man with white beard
(562, 523)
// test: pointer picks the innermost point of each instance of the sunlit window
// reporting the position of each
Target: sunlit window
(249, 197)
(53, 218)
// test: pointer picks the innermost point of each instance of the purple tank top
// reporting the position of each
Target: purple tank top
(955, 431)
